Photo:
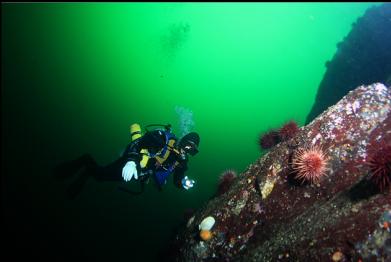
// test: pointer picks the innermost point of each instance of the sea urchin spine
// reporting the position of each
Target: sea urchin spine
(310, 164)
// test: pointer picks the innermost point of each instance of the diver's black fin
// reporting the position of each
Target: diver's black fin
(76, 186)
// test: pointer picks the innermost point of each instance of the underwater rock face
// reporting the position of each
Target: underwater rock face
(269, 215)
(362, 58)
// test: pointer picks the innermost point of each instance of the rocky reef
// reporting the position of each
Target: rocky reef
(270, 215)
(362, 57)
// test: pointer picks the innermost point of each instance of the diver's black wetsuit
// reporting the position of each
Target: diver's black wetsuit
(153, 141)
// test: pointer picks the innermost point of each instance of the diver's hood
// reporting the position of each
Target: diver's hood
(189, 143)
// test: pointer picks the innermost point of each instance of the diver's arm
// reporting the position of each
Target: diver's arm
(133, 157)
(180, 180)
(178, 176)
(132, 152)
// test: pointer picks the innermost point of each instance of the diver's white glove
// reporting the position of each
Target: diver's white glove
(187, 183)
(129, 171)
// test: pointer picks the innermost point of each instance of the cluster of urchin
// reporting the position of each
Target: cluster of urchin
(273, 137)
(310, 164)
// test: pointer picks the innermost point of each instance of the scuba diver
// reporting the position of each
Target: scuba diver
(156, 154)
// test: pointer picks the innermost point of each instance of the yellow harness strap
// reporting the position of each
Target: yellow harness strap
(161, 159)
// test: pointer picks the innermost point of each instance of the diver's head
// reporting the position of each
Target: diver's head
(189, 143)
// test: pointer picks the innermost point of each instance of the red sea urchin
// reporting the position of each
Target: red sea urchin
(379, 161)
(269, 139)
(289, 130)
(225, 181)
(310, 163)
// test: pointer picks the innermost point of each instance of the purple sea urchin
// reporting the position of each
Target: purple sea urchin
(269, 139)
(379, 161)
(225, 181)
(289, 130)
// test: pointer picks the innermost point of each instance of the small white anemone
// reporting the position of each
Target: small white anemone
(207, 223)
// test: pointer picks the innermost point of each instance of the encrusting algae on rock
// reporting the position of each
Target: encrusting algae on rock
(268, 214)
(271, 179)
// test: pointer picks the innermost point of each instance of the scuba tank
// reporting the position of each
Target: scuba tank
(135, 133)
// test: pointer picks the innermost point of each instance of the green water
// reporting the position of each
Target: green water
(75, 76)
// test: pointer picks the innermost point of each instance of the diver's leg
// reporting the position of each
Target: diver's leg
(77, 185)
(69, 168)
(89, 165)
(157, 184)
(111, 172)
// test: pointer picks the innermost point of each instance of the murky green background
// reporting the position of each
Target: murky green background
(75, 76)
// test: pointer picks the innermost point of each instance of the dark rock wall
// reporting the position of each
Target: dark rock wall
(362, 58)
